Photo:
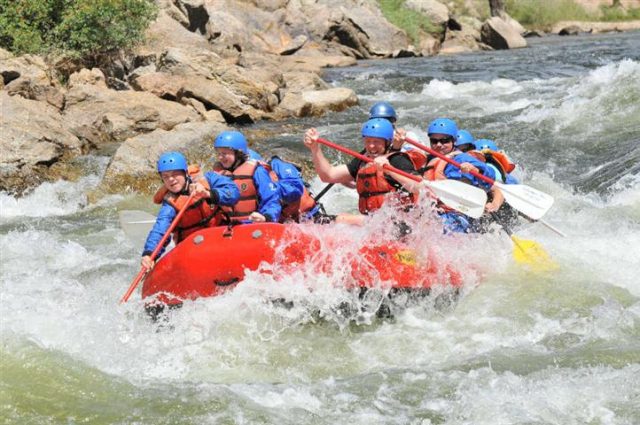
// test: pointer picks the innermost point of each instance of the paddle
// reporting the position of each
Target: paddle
(529, 201)
(323, 191)
(530, 253)
(455, 194)
(136, 225)
(143, 271)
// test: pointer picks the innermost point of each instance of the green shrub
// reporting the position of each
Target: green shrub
(82, 27)
(612, 14)
(26, 25)
(545, 13)
(413, 23)
(95, 26)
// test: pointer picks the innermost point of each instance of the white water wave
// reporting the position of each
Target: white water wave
(53, 199)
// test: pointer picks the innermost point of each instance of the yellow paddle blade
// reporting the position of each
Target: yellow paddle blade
(532, 254)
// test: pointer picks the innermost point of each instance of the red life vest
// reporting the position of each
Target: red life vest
(199, 213)
(373, 186)
(242, 176)
(291, 211)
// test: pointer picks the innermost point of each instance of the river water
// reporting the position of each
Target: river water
(519, 347)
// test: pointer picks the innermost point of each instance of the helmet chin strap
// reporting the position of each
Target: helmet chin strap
(185, 188)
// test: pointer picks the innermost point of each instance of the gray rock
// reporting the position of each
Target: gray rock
(134, 163)
(499, 34)
(119, 115)
(32, 139)
(30, 77)
(316, 102)
(93, 77)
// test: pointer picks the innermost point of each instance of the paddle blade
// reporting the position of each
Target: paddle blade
(533, 255)
(529, 201)
(136, 225)
(460, 196)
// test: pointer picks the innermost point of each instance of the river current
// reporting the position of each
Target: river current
(518, 347)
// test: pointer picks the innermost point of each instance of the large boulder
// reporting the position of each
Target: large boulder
(316, 102)
(92, 76)
(100, 115)
(365, 30)
(133, 166)
(30, 77)
(32, 139)
(499, 34)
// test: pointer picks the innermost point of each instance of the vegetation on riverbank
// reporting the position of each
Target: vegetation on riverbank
(412, 22)
(542, 14)
(81, 28)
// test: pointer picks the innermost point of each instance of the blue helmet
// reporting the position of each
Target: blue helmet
(233, 140)
(486, 144)
(378, 127)
(464, 138)
(443, 126)
(383, 110)
(170, 161)
(254, 155)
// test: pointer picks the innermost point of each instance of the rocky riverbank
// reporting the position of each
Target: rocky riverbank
(206, 65)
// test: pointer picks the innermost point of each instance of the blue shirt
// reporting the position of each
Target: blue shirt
(268, 194)
(454, 173)
(222, 187)
(290, 183)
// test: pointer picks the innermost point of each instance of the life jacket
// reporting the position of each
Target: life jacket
(435, 168)
(242, 176)
(417, 157)
(501, 161)
(373, 186)
(292, 210)
(199, 213)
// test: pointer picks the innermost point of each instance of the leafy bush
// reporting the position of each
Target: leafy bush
(82, 27)
(26, 25)
(410, 21)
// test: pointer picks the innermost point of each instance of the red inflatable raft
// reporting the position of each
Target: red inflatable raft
(213, 260)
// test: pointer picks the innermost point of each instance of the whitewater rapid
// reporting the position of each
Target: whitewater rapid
(518, 347)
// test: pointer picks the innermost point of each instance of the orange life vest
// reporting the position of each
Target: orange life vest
(501, 161)
(199, 213)
(435, 168)
(242, 176)
(291, 211)
(373, 186)
(417, 157)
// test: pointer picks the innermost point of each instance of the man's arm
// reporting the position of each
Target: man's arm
(328, 173)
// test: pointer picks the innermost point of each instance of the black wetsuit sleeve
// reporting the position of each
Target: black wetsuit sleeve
(403, 163)
(353, 166)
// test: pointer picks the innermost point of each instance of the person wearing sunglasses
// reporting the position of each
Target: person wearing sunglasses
(442, 138)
